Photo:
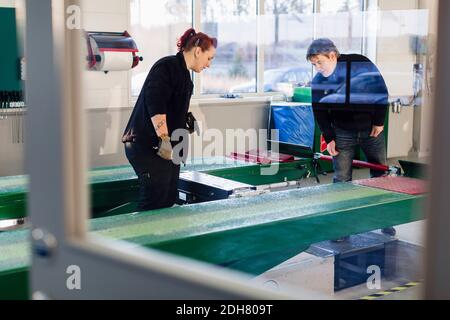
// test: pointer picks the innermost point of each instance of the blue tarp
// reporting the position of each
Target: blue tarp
(295, 123)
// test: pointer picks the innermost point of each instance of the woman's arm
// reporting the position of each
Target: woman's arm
(160, 124)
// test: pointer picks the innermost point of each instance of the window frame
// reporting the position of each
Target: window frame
(58, 173)
(260, 54)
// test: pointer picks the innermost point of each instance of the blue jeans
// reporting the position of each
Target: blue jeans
(346, 143)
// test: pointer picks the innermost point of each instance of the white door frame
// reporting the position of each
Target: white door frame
(438, 210)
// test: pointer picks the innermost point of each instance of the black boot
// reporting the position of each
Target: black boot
(389, 231)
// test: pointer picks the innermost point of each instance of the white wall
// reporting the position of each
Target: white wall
(424, 121)
(107, 95)
(231, 116)
(12, 149)
(395, 61)
(409, 130)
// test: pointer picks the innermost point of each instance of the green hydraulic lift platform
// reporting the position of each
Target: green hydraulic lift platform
(250, 234)
(112, 187)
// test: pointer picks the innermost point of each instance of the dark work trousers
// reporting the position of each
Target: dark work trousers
(346, 142)
(158, 178)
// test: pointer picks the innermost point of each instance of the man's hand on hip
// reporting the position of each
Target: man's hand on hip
(331, 148)
(376, 130)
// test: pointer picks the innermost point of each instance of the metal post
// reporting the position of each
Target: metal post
(438, 236)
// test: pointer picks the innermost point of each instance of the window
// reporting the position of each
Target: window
(156, 26)
(233, 23)
(287, 33)
(341, 21)
(283, 30)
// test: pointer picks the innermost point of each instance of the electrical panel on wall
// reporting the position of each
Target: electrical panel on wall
(10, 79)
(12, 74)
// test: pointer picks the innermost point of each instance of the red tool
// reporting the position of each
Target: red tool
(262, 157)
(363, 164)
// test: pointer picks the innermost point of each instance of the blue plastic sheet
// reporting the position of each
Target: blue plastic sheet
(295, 123)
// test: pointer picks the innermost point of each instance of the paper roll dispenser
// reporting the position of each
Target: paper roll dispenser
(111, 51)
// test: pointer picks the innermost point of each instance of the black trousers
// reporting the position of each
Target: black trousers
(158, 178)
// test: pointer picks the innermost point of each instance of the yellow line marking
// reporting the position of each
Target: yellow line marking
(382, 294)
(399, 288)
(368, 298)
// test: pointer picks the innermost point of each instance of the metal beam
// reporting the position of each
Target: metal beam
(438, 236)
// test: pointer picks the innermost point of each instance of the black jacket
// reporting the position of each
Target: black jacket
(354, 97)
(167, 90)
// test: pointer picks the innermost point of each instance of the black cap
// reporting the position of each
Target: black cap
(321, 46)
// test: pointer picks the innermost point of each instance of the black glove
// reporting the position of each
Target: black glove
(165, 148)
(191, 124)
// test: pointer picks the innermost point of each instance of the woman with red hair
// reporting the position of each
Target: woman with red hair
(162, 108)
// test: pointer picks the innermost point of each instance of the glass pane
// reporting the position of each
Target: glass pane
(342, 22)
(294, 237)
(156, 26)
(397, 39)
(234, 25)
(288, 31)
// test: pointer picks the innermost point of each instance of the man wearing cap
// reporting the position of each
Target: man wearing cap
(350, 100)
